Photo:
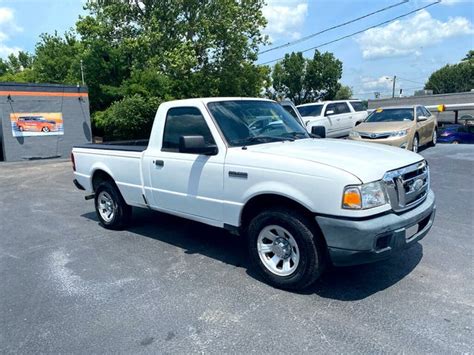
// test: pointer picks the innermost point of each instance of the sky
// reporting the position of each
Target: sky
(410, 48)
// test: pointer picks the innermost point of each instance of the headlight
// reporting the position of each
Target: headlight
(354, 134)
(401, 133)
(364, 196)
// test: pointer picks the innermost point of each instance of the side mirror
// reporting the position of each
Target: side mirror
(319, 131)
(196, 145)
(422, 118)
(329, 112)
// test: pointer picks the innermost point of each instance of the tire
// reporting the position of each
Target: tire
(455, 142)
(21, 128)
(434, 138)
(111, 209)
(287, 228)
(415, 144)
(45, 129)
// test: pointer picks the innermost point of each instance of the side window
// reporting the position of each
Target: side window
(426, 112)
(330, 107)
(184, 121)
(358, 106)
(342, 107)
(419, 112)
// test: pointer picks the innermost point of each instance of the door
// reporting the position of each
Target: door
(330, 114)
(431, 123)
(423, 130)
(340, 120)
(186, 183)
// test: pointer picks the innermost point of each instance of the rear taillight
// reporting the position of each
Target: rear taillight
(73, 162)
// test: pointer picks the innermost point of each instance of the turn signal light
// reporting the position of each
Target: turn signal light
(352, 198)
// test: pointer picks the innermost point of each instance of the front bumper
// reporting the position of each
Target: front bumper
(401, 142)
(352, 242)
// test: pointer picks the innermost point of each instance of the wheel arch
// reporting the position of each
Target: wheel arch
(99, 176)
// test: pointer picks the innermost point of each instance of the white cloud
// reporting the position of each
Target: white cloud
(285, 18)
(8, 26)
(380, 84)
(407, 37)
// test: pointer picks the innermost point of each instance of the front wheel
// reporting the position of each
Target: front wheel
(415, 144)
(45, 129)
(434, 138)
(111, 209)
(285, 248)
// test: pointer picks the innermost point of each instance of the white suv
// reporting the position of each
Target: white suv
(332, 118)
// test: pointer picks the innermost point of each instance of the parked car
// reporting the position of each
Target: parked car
(456, 133)
(332, 118)
(407, 127)
(35, 124)
(301, 202)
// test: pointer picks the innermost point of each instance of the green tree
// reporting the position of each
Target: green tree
(453, 78)
(305, 80)
(344, 93)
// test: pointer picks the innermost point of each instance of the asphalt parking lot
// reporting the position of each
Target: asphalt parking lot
(173, 286)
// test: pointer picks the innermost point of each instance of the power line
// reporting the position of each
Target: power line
(333, 27)
(358, 32)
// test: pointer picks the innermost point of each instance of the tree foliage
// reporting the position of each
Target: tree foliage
(343, 93)
(453, 78)
(306, 80)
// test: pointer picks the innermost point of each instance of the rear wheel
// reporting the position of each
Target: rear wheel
(415, 144)
(455, 142)
(285, 248)
(45, 129)
(111, 209)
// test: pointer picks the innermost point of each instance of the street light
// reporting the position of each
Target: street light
(393, 84)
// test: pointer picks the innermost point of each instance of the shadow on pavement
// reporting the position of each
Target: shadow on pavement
(344, 284)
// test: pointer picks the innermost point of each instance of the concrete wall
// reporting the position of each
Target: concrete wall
(71, 101)
(457, 98)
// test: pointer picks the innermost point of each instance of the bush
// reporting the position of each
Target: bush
(129, 118)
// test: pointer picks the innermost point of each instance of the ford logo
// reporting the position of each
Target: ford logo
(418, 184)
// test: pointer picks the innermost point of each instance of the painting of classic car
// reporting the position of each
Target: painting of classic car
(36, 124)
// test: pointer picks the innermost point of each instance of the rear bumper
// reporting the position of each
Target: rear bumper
(352, 242)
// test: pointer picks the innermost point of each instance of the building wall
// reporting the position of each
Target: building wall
(71, 101)
(426, 100)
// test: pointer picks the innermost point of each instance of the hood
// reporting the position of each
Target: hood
(381, 127)
(367, 161)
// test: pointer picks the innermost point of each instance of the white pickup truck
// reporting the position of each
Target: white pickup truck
(332, 118)
(300, 201)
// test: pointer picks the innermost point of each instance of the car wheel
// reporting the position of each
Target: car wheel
(21, 128)
(45, 129)
(455, 142)
(111, 209)
(285, 249)
(415, 144)
(434, 138)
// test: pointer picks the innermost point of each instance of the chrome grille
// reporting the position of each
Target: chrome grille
(407, 187)
(367, 135)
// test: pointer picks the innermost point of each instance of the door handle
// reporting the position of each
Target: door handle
(159, 162)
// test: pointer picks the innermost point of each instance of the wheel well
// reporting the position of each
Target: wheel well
(261, 202)
(99, 177)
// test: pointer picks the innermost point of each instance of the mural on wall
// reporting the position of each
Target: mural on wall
(37, 124)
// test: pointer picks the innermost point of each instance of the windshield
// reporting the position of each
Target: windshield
(245, 122)
(310, 110)
(391, 115)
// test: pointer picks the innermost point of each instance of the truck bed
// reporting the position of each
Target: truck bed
(129, 146)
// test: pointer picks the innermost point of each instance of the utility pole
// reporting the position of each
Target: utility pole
(393, 87)
(82, 74)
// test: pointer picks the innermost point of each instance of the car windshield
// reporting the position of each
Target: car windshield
(391, 115)
(310, 110)
(246, 122)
